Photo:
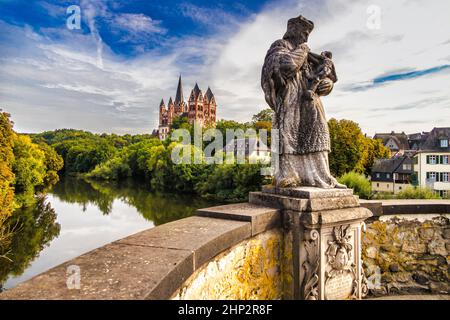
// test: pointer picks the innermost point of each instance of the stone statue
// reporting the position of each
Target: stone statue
(293, 79)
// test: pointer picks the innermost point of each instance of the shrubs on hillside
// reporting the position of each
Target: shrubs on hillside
(358, 182)
(417, 193)
(362, 187)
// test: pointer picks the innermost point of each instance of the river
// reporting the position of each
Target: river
(77, 216)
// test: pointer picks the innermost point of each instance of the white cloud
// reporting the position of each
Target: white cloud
(136, 23)
(48, 85)
(411, 38)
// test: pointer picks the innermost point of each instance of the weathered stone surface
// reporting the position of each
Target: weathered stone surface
(373, 205)
(308, 192)
(410, 255)
(437, 246)
(205, 237)
(115, 271)
(299, 116)
(416, 206)
(446, 233)
(261, 218)
(414, 247)
(394, 267)
(298, 204)
(371, 252)
(335, 216)
(250, 270)
(426, 233)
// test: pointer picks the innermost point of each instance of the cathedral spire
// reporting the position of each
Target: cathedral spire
(162, 103)
(209, 95)
(179, 96)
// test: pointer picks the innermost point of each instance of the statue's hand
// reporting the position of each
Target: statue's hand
(325, 87)
(304, 47)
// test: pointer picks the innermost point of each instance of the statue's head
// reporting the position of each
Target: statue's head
(298, 30)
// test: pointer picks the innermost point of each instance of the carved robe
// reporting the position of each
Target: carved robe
(303, 130)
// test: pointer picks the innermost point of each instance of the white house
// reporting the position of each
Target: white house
(432, 161)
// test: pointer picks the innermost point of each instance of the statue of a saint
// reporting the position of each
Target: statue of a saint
(293, 79)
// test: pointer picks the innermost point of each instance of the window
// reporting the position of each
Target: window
(407, 167)
(431, 159)
(399, 188)
(377, 175)
(444, 160)
(378, 184)
(445, 177)
(444, 143)
(431, 176)
(388, 175)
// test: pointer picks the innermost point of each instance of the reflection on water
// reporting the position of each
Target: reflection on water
(78, 216)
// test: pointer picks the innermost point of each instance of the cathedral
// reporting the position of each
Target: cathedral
(199, 108)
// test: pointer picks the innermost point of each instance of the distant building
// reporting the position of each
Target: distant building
(397, 142)
(251, 149)
(432, 160)
(430, 155)
(199, 108)
(392, 175)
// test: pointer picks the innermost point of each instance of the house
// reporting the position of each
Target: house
(251, 149)
(432, 160)
(398, 143)
(392, 175)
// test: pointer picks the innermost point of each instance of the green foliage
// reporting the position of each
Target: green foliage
(358, 182)
(417, 193)
(347, 146)
(351, 150)
(25, 167)
(82, 156)
(179, 122)
(373, 150)
(28, 167)
(6, 161)
(53, 164)
(113, 169)
(231, 182)
(264, 115)
(83, 151)
(383, 195)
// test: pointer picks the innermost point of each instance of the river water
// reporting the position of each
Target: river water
(77, 216)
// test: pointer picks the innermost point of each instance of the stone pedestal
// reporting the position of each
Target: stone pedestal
(324, 231)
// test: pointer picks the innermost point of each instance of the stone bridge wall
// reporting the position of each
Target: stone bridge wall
(407, 254)
(241, 251)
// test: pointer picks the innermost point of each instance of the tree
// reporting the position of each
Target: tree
(28, 167)
(264, 115)
(53, 164)
(347, 146)
(6, 160)
(351, 150)
(373, 149)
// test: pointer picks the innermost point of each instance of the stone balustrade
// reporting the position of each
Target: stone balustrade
(238, 251)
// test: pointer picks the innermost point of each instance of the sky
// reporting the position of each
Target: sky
(392, 59)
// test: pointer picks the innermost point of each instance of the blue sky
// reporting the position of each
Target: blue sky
(110, 75)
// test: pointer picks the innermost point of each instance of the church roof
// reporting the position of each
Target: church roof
(209, 95)
(170, 101)
(196, 91)
(179, 96)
